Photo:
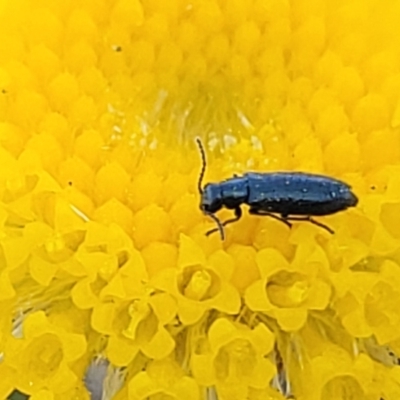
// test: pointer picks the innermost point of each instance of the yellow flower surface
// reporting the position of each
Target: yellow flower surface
(109, 286)
(286, 292)
(235, 361)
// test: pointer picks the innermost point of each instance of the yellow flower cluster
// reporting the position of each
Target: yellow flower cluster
(109, 287)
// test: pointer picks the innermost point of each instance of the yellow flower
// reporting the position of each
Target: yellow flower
(335, 374)
(286, 291)
(107, 266)
(53, 230)
(134, 326)
(199, 284)
(234, 359)
(368, 305)
(45, 355)
(163, 379)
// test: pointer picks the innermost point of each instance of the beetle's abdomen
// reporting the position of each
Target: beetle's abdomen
(296, 193)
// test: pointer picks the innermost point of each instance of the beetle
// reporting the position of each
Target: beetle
(285, 196)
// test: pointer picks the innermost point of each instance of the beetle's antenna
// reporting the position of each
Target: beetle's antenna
(203, 166)
(220, 226)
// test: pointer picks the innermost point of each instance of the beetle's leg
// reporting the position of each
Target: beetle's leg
(238, 215)
(219, 224)
(256, 211)
(313, 221)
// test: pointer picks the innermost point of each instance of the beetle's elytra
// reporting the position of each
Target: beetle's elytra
(286, 196)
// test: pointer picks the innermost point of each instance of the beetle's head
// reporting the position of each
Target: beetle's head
(211, 198)
(211, 195)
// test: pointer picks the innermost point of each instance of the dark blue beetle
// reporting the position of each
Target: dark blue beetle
(286, 196)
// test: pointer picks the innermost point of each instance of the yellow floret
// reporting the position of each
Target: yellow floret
(150, 224)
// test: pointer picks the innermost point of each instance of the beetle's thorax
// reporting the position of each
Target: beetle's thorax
(231, 193)
(211, 198)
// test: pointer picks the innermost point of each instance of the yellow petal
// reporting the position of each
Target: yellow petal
(262, 373)
(114, 288)
(203, 369)
(270, 261)
(42, 395)
(7, 381)
(164, 307)
(319, 295)
(222, 263)
(291, 319)
(121, 351)
(82, 294)
(7, 290)
(355, 323)
(74, 345)
(227, 300)
(102, 318)
(262, 339)
(190, 311)
(187, 388)
(160, 345)
(256, 297)
(141, 386)
(63, 380)
(221, 332)
(42, 271)
(189, 253)
(36, 324)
